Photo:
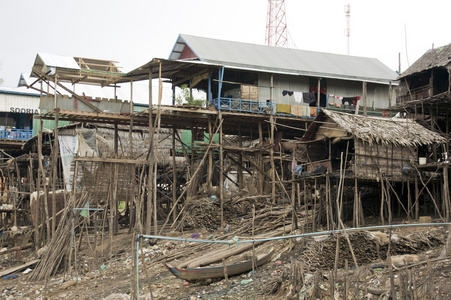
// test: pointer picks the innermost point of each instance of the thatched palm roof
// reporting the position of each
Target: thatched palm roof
(433, 58)
(401, 132)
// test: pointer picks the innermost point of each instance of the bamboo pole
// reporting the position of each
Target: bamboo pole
(54, 167)
(260, 157)
(210, 155)
(150, 161)
(240, 159)
(44, 179)
(174, 175)
(221, 170)
(160, 95)
(131, 198)
(273, 167)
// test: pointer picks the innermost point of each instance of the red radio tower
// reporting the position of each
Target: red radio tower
(276, 24)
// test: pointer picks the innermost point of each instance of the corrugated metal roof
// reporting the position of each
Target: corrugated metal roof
(23, 91)
(284, 60)
(52, 60)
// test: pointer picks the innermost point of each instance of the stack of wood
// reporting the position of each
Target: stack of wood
(322, 254)
(205, 213)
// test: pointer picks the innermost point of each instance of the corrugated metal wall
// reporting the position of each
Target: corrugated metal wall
(377, 94)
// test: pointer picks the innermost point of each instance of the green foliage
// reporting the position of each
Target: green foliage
(185, 97)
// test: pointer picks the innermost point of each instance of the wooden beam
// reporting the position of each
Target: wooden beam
(110, 160)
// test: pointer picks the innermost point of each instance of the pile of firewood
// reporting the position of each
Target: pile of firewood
(238, 213)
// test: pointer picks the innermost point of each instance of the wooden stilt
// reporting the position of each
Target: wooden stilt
(273, 168)
(174, 176)
(221, 168)
(417, 200)
(131, 196)
(260, 157)
(409, 201)
(240, 160)
(446, 196)
(55, 152)
(44, 180)
(210, 155)
(150, 162)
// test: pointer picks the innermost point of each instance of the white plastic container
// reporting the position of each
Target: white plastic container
(422, 160)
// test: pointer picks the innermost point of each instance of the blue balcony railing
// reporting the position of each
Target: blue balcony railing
(241, 105)
(16, 134)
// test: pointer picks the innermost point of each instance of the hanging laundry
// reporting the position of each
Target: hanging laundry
(285, 92)
(308, 97)
(351, 100)
(298, 97)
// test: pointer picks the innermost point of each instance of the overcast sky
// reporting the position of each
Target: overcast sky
(134, 31)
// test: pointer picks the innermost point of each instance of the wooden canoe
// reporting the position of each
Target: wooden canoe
(203, 274)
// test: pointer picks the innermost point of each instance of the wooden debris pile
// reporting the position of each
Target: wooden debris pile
(205, 213)
(322, 254)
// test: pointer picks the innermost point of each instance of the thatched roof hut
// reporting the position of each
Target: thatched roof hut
(434, 58)
(396, 131)
(374, 145)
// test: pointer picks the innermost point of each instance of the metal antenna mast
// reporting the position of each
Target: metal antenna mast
(276, 24)
(348, 25)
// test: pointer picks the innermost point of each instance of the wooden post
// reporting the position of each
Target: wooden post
(356, 204)
(54, 168)
(210, 154)
(174, 177)
(240, 159)
(365, 104)
(226, 275)
(293, 195)
(305, 201)
(116, 139)
(155, 162)
(390, 92)
(409, 201)
(446, 197)
(327, 201)
(318, 99)
(193, 153)
(417, 200)
(150, 165)
(221, 168)
(273, 167)
(115, 202)
(260, 157)
(44, 179)
(314, 207)
(132, 168)
(382, 201)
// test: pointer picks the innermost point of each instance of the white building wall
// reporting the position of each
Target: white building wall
(377, 94)
(281, 83)
(14, 103)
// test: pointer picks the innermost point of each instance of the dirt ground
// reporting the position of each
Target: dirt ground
(299, 269)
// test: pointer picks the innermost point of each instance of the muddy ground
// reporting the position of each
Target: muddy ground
(299, 269)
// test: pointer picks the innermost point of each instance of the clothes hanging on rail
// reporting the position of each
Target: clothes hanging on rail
(285, 92)
(298, 97)
(309, 97)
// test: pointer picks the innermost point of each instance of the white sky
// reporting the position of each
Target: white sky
(135, 31)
